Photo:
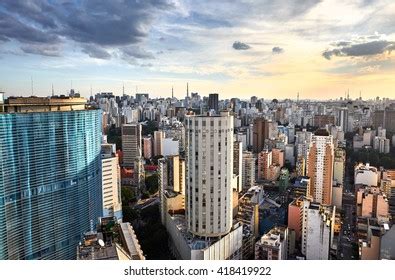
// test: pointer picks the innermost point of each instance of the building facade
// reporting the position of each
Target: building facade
(50, 176)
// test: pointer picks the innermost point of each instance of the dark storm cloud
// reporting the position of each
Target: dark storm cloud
(93, 23)
(12, 28)
(96, 52)
(237, 45)
(361, 49)
(277, 50)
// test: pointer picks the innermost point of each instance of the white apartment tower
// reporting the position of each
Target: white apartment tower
(209, 174)
(111, 182)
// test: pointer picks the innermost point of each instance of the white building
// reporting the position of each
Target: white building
(209, 160)
(381, 144)
(111, 182)
(170, 147)
(318, 225)
(366, 175)
(273, 245)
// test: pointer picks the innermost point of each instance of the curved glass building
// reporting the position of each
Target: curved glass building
(50, 176)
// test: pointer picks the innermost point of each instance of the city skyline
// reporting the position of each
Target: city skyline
(320, 49)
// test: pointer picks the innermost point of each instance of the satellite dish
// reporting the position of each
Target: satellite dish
(101, 242)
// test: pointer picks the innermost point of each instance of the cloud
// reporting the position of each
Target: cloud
(356, 49)
(96, 52)
(237, 45)
(93, 24)
(41, 49)
(277, 50)
(136, 52)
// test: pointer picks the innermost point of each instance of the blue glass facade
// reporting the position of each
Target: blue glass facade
(50, 182)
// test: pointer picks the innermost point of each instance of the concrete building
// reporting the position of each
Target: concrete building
(339, 166)
(131, 143)
(248, 168)
(238, 164)
(320, 167)
(337, 196)
(261, 131)
(147, 144)
(119, 243)
(381, 144)
(372, 203)
(209, 174)
(158, 143)
(319, 223)
(265, 160)
(387, 244)
(278, 157)
(213, 102)
(248, 210)
(171, 147)
(366, 175)
(273, 245)
(111, 182)
(295, 217)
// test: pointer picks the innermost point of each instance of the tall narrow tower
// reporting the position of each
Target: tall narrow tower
(209, 174)
(320, 159)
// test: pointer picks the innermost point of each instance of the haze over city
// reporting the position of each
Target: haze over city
(271, 49)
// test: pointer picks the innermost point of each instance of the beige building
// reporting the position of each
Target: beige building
(320, 167)
(273, 245)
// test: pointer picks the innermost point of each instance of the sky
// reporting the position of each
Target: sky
(270, 49)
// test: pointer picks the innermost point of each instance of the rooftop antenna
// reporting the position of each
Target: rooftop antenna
(123, 88)
(31, 80)
(348, 94)
(187, 90)
(172, 93)
(360, 95)
(52, 91)
(91, 90)
(297, 98)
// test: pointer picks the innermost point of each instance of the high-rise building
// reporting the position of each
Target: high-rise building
(50, 176)
(171, 179)
(320, 167)
(278, 157)
(158, 143)
(147, 144)
(261, 131)
(342, 119)
(111, 182)
(209, 174)
(265, 159)
(131, 143)
(319, 222)
(248, 170)
(339, 166)
(238, 164)
(213, 102)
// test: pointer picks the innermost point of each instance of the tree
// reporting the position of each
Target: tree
(151, 183)
(127, 196)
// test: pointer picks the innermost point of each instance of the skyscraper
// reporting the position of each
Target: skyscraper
(209, 174)
(50, 176)
(261, 129)
(320, 167)
(111, 182)
(158, 143)
(131, 143)
(248, 168)
(213, 102)
(238, 163)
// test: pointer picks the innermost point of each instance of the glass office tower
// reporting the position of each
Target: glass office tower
(50, 178)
